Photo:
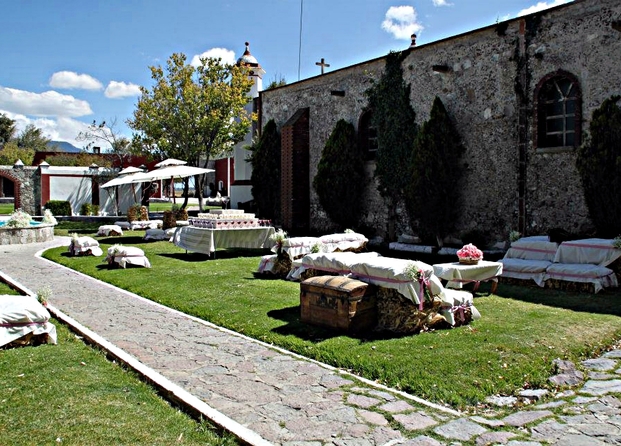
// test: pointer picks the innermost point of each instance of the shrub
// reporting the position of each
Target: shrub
(59, 207)
(340, 176)
(599, 164)
(89, 209)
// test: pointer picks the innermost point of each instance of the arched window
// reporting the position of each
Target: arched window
(367, 135)
(558, 102)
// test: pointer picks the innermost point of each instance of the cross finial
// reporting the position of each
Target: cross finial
(322, 64)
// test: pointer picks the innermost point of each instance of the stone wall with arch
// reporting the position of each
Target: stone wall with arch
(27, 181)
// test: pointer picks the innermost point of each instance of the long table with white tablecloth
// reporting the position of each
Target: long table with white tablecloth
(206, 241)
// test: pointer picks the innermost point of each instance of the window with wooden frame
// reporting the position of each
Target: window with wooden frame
(558, 111)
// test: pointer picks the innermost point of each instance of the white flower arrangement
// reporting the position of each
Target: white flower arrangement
(44, 295)
(617, 242)
(316, 248)
(348, 231)
(48, 217)
(19, 219)
(413, 272)
(514, 236)
(278, 237)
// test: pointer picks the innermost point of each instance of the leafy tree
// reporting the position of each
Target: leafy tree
(265, 177)
(81, 159)
(107, 134)
(599, 164)
(7, 129)
(194, 113)
(340, 176)
(431, 194)
(32, 138)
(277, 81)
(11, 152)
(394, 118)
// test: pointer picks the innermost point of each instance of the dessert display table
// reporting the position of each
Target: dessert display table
(206, 241)
(457, 274)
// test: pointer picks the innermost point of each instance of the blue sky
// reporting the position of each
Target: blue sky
(66, 63)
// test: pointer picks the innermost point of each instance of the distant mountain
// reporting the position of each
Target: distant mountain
(64, 146)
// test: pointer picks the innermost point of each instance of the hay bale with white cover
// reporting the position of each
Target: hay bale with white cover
(108, 230)
(24, 321)
(121, 256)
(84, 246)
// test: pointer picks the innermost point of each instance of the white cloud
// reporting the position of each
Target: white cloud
(227, 56)
(48, 103)
(71, 81)
(401, 22)
(61, 129)
(541, 6)
(441, 3)
(116, 90)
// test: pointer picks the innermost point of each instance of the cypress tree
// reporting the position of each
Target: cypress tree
(340, 176)
(265, 176)
(599, 165)
(432, 193)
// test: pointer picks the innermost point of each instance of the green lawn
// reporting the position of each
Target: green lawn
(71, 394)
(6, 208)
(522, 330)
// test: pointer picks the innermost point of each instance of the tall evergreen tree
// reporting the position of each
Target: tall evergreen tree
(599, 165)
(265, 176)
(340, 176)
(395, 121)
(432, 193)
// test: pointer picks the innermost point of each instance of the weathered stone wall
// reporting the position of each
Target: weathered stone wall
(27, 182)
(485, 72)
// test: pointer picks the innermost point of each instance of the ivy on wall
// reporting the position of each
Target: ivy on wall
(395, 121)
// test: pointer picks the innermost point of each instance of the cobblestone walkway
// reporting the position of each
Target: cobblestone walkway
(285, 399)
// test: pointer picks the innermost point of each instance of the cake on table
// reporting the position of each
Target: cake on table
(227, 219)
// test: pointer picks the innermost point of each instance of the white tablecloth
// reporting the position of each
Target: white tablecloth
(537, 247)
(457, 274)
(295, 247)
(525, 269)
(596, 251)
(600, 276)
(207, 241)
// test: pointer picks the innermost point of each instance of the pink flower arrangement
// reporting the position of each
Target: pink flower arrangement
(470, 252)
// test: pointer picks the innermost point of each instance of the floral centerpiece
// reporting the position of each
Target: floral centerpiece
(19, 219)
(278, 238)
(48, 217)
(617, 242)
(469, 254)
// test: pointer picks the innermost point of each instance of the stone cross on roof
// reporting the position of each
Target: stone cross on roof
(322, 64)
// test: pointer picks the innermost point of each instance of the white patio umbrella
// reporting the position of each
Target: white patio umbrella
(125, 177)
(175, 171)
(170, 162)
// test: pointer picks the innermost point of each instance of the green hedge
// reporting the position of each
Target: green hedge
(59, 207)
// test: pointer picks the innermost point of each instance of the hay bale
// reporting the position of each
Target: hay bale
(400, 315)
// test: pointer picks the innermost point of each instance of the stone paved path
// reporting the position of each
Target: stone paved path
(285, 399)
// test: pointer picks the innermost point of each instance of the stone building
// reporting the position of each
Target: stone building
(521, 93)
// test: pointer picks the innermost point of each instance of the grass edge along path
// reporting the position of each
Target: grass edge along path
(521, 332)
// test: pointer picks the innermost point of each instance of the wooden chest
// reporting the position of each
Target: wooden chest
(338, 302)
